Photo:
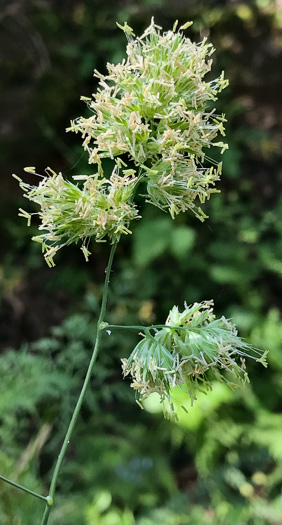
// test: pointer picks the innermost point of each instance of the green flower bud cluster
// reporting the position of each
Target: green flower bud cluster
(192, 350)
(68, 213)
(156, 108)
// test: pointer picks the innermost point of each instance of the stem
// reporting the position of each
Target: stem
(82, 393)
(21, 487)
(152, 327)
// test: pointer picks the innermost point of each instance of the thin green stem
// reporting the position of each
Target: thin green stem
(25, 489)
(140, 327)
(82, 393)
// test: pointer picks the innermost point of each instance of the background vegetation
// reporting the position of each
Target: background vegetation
(221, 464)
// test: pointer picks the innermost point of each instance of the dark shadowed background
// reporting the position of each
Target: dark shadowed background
(221, 464)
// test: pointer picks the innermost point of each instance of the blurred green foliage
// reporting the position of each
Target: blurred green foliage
(221, 464)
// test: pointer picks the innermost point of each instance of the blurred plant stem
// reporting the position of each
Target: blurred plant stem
(50, 497)
(24, 489)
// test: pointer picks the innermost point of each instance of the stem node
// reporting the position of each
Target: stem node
(102, 326)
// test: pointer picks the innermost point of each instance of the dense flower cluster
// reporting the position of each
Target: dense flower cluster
(191, 351)
(68, 213)
(155, 110)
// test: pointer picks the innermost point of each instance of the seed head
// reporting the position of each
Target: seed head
(193, 350)
(155, 110)
(100, 208)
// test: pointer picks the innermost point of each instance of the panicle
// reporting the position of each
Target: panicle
(157, 108)
(191, 351)
(70, 213)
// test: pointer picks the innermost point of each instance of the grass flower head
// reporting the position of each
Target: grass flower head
(193, 350)
(155, 110)
(69, 213)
